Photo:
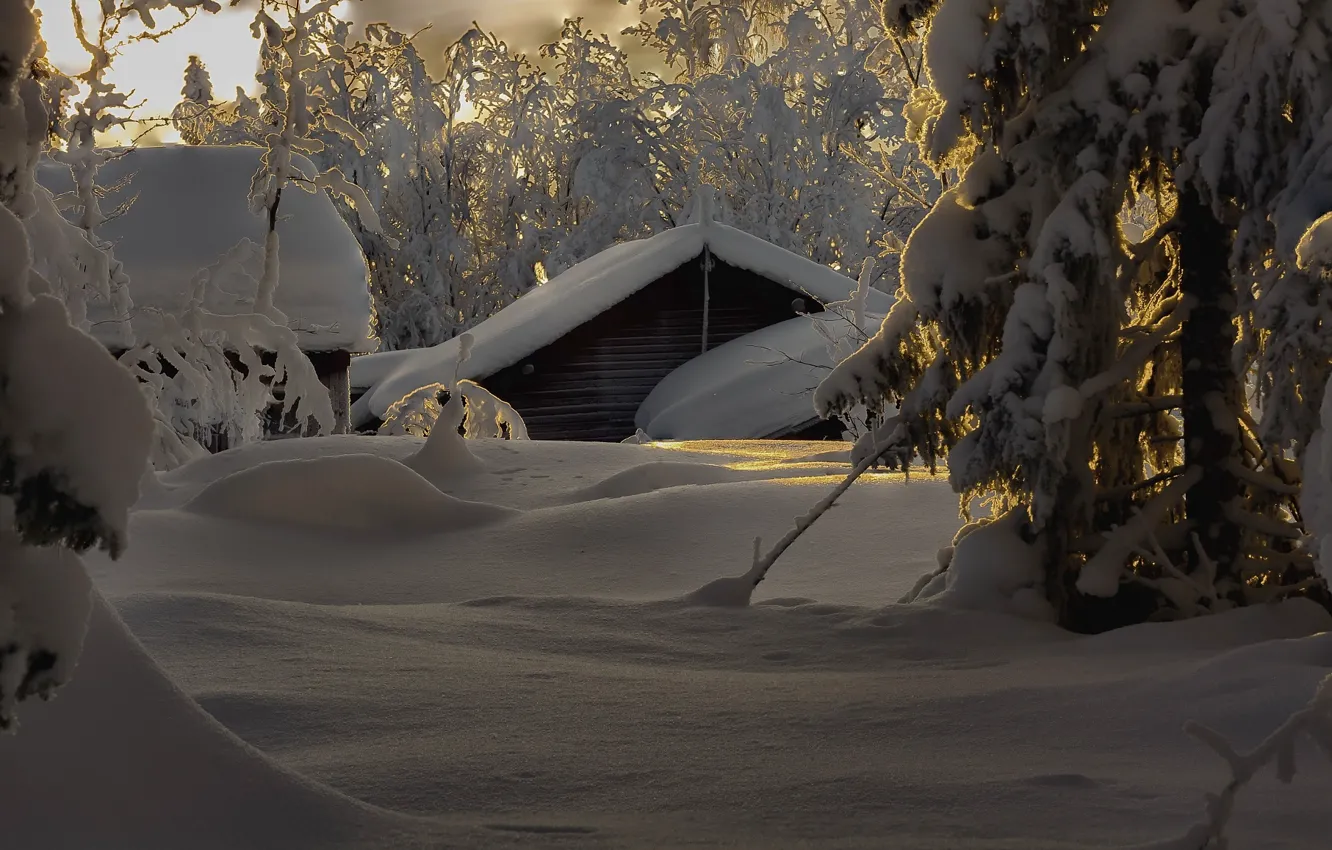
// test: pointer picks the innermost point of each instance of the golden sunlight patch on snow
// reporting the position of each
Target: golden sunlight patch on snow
(786, 456)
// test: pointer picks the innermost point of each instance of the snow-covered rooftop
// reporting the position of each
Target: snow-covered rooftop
(191, 205)
(586, 290)
(760, 385)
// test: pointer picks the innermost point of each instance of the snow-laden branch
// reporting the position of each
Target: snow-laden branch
(1314, 721)
(1101, 574)
(736, 591)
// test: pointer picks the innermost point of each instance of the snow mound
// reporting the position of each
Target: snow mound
(586, 290)
(656, 475)
(190, 205)
(993, 569)
(725, 592)
(354, 492)
(758, 386)
(121, 758)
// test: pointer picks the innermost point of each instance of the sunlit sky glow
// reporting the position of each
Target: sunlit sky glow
(153, 70)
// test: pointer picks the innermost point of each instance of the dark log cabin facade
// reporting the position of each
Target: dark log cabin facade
(589, 381)
(589, 384)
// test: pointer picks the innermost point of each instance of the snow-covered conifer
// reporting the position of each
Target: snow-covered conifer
(67, 476)
(1048, 356)
(194, 117)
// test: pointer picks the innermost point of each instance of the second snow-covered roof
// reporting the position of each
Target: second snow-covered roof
(756, 387)
(191, 204)
(550, 311)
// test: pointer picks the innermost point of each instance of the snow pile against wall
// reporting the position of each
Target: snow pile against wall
(190, 205)
(760, 385)
(548, 312)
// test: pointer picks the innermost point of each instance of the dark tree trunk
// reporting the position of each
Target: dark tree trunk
(1212, 392)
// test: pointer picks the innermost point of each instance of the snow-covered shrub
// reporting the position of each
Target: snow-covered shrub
(483, 414)
(208, 375)
(989, 567)
(74, 429)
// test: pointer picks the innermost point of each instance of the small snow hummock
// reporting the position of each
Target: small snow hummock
(990, 568)
(356, 492)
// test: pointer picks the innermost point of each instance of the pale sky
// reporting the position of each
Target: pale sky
(224, 42)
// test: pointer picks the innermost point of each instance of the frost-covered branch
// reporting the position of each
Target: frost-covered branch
(1277, 750)
(736, 591)
(1101, 574)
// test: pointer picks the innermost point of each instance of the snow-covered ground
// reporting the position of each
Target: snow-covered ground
(502, 660)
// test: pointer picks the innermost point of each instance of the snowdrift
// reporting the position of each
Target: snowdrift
(121, 759)
(360, 492)
(658, 475)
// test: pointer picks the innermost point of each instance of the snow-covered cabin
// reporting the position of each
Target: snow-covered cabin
(578, 355)
(189, 206)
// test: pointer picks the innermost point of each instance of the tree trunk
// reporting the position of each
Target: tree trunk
(1212, 392)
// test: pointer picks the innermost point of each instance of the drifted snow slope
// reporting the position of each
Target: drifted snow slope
(538, 681)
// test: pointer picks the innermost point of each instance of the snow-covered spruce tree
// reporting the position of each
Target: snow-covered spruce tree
(1262, 162)
(194, 117)
(67, 478)
(1049, 357)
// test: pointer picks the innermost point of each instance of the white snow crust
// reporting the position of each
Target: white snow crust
(550, 311)
(540, 681)
(190, 205)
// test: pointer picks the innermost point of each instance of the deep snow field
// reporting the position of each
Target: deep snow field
(335, 654)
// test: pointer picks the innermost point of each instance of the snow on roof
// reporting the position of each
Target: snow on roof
(191, 204)
(586, 290)
(760, 385)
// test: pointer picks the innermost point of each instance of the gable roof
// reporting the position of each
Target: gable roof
(190, 205)
(553, 309)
